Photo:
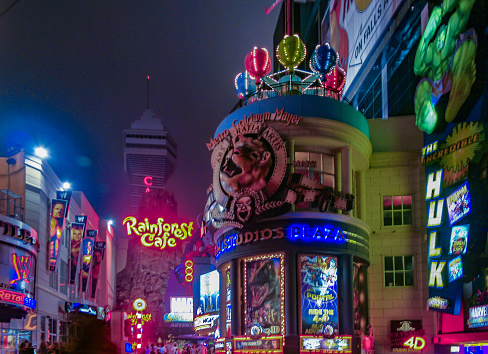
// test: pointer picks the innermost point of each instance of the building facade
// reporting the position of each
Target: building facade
(63, 280)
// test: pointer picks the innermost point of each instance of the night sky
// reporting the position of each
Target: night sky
(73, 76)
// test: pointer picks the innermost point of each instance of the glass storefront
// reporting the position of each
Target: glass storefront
(12, 338)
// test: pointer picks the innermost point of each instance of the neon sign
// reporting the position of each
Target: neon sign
(324, 233)
(189, 271)
(144, 318)
(17, 298)
(22, 266)
(415, 343)
(148, 183)
(159, 235)
(438, 302)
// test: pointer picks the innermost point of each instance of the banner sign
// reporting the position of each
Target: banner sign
(96, 263)
(270, 344)
(64, 195)
(319, 303)
(87, 244)
(58, 216)
(264, 282)
(320, 345)
(406, 334)
(478, 316)
(77, 234)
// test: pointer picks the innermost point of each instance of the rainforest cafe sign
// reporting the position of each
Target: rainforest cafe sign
(159, 235)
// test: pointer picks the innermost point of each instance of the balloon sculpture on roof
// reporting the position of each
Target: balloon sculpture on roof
(258, 63)
(291, 52)
(324, 62)
(244, 84)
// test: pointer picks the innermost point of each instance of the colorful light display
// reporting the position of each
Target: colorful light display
(210, 292)
(160, 234)
(22, 265)
(291, 52)
(258, 63)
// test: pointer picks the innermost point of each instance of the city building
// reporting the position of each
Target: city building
(381, 129)
(149, 157)
(45, 232)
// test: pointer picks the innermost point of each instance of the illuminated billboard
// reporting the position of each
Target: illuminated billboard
(319, 344)
(319, 303)
(459, 239)
(264, 294)
(459, 203)
(455, 269)
(209, 292)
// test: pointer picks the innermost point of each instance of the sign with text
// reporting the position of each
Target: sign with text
(319, 303)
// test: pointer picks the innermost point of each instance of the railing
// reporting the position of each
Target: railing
(283, 84)
(11, 204)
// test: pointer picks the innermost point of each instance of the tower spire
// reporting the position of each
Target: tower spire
(147, 91)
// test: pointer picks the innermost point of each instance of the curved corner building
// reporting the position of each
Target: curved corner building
(285, 212)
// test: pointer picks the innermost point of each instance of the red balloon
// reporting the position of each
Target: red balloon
(258, 63)
(336, 79)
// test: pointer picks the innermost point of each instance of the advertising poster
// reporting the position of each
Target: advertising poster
(264, 279)
(88, 244)
(97, 258)
(77, 234)
(353, 28)
(319, 295)
(459, 203)
(228, 306)
(59, 209)
(459, 239)
(209, 292)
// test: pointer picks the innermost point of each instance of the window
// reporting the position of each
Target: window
(52, 330)
(53, 280)
(397, 210)
(63, 332)
(63, 277)
(399, 271)
(43, 328)
(316, 165)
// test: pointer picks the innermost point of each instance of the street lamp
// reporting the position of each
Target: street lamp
(41, 152)
(66, 185)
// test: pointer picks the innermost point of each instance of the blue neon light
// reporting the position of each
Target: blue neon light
(29, 302)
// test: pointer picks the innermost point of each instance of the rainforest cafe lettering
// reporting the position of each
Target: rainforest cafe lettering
(160, 234)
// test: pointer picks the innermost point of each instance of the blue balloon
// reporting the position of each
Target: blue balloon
(244, 84)
(323, 60)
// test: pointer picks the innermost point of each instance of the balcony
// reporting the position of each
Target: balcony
(11, 204)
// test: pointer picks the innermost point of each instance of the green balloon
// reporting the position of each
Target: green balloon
(291, 52)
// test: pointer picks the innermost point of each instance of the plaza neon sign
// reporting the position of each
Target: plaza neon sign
(160, 234)
(323, 233)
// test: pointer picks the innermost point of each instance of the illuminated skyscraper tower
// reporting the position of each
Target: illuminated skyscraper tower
(149, 156)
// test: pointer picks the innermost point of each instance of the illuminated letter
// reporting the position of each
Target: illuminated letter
(433, 185)
(148, 181)
(433, 251)
(435, 213)
(435, 278)
(131, 222)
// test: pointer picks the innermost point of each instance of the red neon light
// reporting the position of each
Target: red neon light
(13, 297)
(148, 181)
(22, 266)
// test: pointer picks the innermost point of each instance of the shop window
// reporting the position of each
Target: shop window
(63, 277)
(399, 271)
(52, 333)
(43, 328)
(63, 332)
(397, 210)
